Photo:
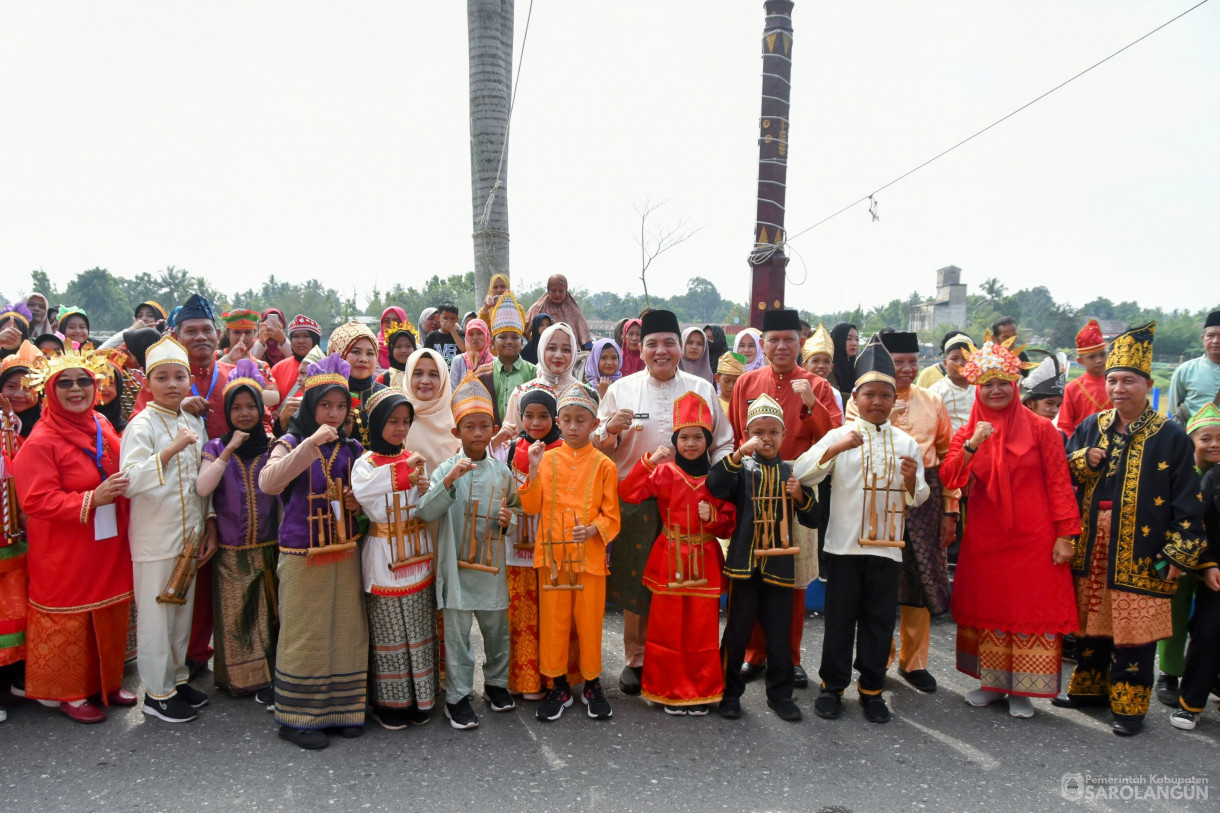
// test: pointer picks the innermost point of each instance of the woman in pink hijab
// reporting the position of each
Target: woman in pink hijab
(390, 314)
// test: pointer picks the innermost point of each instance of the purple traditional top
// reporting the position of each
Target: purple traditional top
(306, 496)
(245, 516)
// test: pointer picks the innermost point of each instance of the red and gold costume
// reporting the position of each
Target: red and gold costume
(682, 647)
(1087, 394)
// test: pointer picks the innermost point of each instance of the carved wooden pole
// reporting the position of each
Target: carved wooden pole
(768, 260)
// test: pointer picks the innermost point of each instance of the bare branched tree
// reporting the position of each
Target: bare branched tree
(657, 238)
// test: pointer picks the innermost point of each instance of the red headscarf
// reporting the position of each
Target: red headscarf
(632, 363)
(383, 350)
(995, 460)
(81, 429)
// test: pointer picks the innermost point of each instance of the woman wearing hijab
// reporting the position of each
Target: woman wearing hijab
(357, 346)
(18, 400)
(110, 391)
(749, 344)
(74, 325)
(846, 342)
(694, 355)
(429, 320)
(1013, 598)
(389, 316)
(40, 306)
(558, 302)
(271, 336)
(496, 289)
(400, 342)
(632, 362)
(322, 654)
(80, 572)
(537, 325)
(429, 392)
(478, 353)
(247, 519)
(557, 350)
(717, 344)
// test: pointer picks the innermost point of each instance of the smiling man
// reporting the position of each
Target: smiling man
(636, 417)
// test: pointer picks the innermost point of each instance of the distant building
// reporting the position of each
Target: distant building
(1111, 328)
(948, 307)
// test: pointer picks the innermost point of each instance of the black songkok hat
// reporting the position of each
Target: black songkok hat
(1213, 320)
(874, 363)
(782, 319)
(899, 342)
(197, 307)
(659, 322)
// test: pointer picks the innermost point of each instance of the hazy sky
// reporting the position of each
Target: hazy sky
(331, 140)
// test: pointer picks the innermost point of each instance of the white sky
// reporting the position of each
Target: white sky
(331, 140)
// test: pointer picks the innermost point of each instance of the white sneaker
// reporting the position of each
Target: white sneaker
(1021, 707)
(3, 714)
(1183, 719)
(983, 697)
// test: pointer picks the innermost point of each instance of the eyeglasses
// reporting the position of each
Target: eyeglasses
(62, 383)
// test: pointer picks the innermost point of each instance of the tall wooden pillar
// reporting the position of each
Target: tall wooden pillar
(768, 260)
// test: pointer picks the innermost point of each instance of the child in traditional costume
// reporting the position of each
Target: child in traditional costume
(570, 549)
(245, 592)
(473, 500)
(399, 572)
(162, 450)
(322, 656)
(768, 499)
(683, 571)
(876, 472)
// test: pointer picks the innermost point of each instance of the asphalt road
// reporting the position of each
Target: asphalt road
(936, 754)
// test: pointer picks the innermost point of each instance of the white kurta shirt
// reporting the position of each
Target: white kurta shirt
(958, 400)
(652, 401)
(848, 517)
(165, 506)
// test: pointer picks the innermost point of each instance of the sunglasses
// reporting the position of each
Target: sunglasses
(62, 383)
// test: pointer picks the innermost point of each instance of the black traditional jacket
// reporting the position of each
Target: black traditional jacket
(1149, 477)
(740, 484)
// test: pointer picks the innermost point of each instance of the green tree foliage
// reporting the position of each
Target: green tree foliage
(101, 295)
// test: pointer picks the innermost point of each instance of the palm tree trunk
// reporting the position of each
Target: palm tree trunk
(490, 32)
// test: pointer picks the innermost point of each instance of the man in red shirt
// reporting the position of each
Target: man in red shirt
(810, 411)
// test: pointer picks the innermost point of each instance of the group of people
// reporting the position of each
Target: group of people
(325, 523)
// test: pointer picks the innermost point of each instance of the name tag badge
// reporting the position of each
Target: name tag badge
(105, 522)
(641, 416)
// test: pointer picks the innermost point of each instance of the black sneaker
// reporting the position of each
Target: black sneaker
(390, 719)
(193, 697)
(416, 716)
(595, 699)
(919, 678)
(1183, 719)
(172, 709)
(461, 715)
(828, 706)
(697, 711)
(311, 739)
(786, 709)
(875, 709)
(1079, 701)
(557, 699)
(350, 732)
(676, 711)
(265, 697)
(730, 708)
(1167, 689)
(629, 679)
(1070, 647)
(498, 698)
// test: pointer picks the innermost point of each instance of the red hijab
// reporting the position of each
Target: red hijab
(996, 459)
(632, 363)
(383, 350)
(80, 430)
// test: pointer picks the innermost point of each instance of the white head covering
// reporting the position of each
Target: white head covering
(561, 381)
(757, 336)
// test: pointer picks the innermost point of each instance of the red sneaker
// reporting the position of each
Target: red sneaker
(86, 712)
(122, 698)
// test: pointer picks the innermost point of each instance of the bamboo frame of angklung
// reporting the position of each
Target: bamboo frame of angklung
(765, 525)
(472, 555)
(891, 521)
(570, 562)
(332, 529)
(185, 568)
(406, 534)
(686, 571)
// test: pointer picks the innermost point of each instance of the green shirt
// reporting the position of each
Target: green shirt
(507, 379)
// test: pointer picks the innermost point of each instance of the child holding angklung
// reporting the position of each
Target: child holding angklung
(161, 453)
(570, 550)
(768, 500)
(473, 500)
(399, 566)
(876, 472)
(245, 590)
(683, 571)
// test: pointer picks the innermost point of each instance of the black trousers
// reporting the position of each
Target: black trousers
(1203, 653)
(861, 605)
(771, 605)
(1123, 674)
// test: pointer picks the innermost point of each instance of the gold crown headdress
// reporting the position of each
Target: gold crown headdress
(43, 369)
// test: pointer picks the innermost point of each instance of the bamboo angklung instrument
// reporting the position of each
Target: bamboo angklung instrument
(563, 560)
(476, 556)
(686, 567)
(12, 525)
(406, 538)
(183, 574)
(332, 530)
(765, 506)
(889, 523)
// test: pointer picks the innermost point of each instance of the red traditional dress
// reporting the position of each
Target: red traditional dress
(80, 585)
(1012, 604)
(682, 647)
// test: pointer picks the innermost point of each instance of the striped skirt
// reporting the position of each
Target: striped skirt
(322, 658)
(402, 659)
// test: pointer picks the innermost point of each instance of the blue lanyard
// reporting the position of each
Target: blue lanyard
(96, 454)
(212, 386)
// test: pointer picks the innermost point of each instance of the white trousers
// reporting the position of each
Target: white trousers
(163, 631)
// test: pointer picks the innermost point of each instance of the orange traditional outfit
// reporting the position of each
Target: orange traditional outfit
(682, 648)
(591, 498)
